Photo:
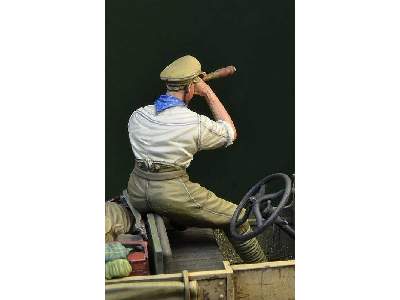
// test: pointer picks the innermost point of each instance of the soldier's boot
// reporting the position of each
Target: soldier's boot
(249, 251)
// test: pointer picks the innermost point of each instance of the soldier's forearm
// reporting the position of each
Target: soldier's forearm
(218, 110)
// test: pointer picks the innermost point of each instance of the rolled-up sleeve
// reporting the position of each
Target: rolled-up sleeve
(214, 134)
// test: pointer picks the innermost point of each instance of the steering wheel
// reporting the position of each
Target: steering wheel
(260, 203)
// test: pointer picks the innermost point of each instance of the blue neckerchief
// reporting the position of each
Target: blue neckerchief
(166, 101)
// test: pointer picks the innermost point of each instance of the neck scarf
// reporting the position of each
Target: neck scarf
(166, 101)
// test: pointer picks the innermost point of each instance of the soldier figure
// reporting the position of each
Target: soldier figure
(164, 138)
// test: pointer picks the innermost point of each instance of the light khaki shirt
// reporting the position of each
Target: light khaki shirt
(174, 135)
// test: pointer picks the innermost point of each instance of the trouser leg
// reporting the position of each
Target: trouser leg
(191, 204)
(203, 208)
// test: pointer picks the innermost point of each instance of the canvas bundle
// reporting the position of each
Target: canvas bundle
(118, 268)
(114, 251)
(117, 221)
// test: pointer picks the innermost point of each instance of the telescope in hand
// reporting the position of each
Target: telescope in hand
(223, 72)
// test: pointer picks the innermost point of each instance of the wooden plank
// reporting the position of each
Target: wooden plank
(230, 286)
(267, 283)
(194, 249)
(270, 264)
(155, 245)
(213, 288)
(158, 277)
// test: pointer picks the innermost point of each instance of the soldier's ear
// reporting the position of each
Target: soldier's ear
(189, 92)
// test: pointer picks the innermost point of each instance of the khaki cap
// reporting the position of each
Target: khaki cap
(182, 70)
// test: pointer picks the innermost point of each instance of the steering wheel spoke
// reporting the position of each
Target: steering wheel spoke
(261, 191)
(257, 214)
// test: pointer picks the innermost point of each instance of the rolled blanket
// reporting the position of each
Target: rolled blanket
(115, 250)
(118, 268)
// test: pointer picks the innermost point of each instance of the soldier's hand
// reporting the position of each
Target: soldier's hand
(201, 88)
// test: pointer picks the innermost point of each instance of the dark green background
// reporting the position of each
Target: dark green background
(142, 37)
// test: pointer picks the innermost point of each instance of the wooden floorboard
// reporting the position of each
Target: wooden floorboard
(194, 249)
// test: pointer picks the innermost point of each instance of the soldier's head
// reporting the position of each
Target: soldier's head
(181, 75)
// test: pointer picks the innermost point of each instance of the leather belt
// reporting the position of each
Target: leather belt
(157, 171)
(159, 176)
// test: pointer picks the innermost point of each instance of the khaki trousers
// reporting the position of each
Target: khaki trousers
(190, 204)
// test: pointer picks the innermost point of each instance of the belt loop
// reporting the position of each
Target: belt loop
(156, 167)
(149, 163)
